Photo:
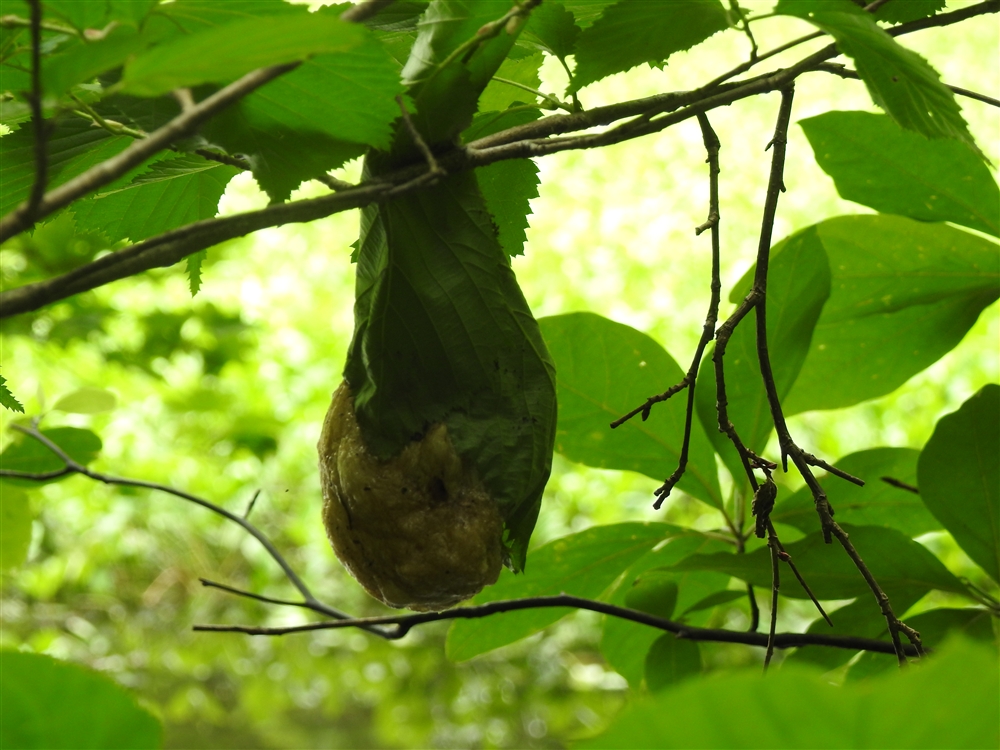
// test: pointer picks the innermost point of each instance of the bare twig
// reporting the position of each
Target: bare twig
(405, 622)
(844, 72)
(432, 164)
(900, 484)
(772, 545)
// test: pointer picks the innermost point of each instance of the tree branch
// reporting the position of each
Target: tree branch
(845, 72)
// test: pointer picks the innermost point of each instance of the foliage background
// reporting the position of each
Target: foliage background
(224, 394)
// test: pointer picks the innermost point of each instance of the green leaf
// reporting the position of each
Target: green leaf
(15, 525)
(951, 701)
(633, 32)
(654, 592)
(86, 60)
(934, 626)
(583, 564)
(97, 14)
(86, 401)
(498, 95)
(959, 476)
(899, 564)
(172, 193)
(224, 53)
(911, 10)
(892, 311)
(552, 28)
(74, 146)
(670, 660)
(875, 504)
(194, 263)
(7, 399)
(605, 369)
(435, 290)
(27, 454)
(508, 186)
(797, 287)
(585, 12)
(899, 80)
(50, 704)
(878, 164)
(624, 644)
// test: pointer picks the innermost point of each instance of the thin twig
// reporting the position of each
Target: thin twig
(425, 150)
(405, 622)
(772, 545)
(900, 484)
(754, 609)
(844, 72)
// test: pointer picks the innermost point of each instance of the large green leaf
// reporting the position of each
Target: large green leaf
(74, 144)
(904, 294)
(876, 504)
(910, 10)
(605, 369)
(625, 644)
(224, 53)
(878, 164)
(582, 564)
(633, 32)
(670, 660)
(85, 60)
(899, 80)
(443, 334)
(959, 476)
(15, 525)
(798, 285)
(27, 454)
(54, 705)
(951, 701)
(172, 193)
(899, 564)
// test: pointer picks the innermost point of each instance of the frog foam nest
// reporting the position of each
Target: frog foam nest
(418, 530)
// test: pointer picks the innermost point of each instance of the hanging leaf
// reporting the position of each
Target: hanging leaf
(605, 369)
(86, 401)
(899, 80)
(671, 660)
(553, 29)
(878, 164)
(959, 476)
(7, 399)
(633, 32)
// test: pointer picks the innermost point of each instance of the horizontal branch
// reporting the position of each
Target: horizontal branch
(404, 623)
(538, 138)
(845, 72)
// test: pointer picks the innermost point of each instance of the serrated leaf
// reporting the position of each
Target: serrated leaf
(194, 263)
(93, 710)
(910, 10)
(168, 194)
(951, 701)
(552, 28)
(15, 526)
(893, 310)
(900, 565)
(797, 288)
(670, 660)
(86, 401)
(499, 95)
(582, 564)
(7, 399)
(28, 455)
(878, 164)
(875, 504)
(585, 12)
(605, 369)
(959, 475)
(899, 80)
(508, 186)
(633, 32)
(224, 53)
(73, 147)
